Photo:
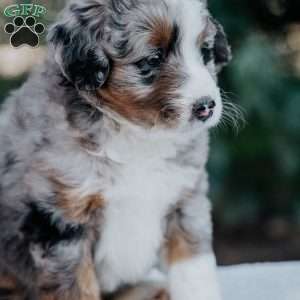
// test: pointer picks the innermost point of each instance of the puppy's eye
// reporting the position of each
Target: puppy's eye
(207, 53)
(155, 60)
(148, 64)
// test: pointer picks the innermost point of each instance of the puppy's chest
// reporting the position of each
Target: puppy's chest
(142, 192)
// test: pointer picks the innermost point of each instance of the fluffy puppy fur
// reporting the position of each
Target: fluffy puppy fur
(103, 153)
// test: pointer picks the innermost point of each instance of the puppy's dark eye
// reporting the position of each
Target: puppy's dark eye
(207, 53)
(155, 60)
(149, 64)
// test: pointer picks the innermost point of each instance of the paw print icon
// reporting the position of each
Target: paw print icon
(24, 31)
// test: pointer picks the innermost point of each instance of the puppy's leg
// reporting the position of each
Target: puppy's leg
(79, 283)
(87, 280)
(188, 253)
(15, 256)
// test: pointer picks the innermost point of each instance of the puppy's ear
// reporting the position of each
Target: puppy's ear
(76, 41)
(222, 49)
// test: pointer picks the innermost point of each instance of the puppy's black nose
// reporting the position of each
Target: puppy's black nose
(203, 109)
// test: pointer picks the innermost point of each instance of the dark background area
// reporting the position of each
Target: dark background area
(255, 173)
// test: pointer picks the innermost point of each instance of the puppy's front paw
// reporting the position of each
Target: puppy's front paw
(195, 279)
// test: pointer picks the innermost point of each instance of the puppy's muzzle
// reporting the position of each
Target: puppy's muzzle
(203, 109)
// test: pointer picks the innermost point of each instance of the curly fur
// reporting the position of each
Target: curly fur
(102, 168)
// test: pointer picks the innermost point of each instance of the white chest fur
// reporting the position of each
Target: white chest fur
(147, 182)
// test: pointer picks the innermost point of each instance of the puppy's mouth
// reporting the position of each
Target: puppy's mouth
(206, 115)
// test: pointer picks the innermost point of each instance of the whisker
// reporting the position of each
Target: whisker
(233, 115)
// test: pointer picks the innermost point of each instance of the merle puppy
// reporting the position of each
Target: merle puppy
(103, 154)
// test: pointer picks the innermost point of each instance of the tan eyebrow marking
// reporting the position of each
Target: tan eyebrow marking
(161, 32)
(208, 30)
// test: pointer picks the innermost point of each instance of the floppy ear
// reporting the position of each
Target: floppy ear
(76, 41)
(222, 49)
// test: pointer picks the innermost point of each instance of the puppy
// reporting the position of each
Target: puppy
(103, 154)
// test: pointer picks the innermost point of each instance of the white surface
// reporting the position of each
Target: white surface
(279, 281)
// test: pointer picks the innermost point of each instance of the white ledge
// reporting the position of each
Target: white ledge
(269, 281)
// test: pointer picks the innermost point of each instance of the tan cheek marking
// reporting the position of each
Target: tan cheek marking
(125, 103)
(153, 108)
(117, 98)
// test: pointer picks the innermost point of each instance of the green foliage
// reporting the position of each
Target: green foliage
(256, 174)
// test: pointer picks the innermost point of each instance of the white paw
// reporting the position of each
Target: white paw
(195, 279)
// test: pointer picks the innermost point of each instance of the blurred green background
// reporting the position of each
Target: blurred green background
(255, 173)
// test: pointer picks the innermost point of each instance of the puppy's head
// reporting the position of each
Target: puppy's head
(152, 63)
